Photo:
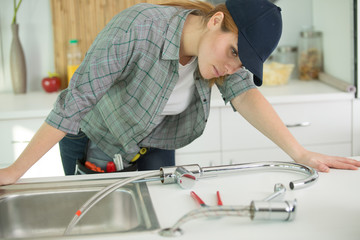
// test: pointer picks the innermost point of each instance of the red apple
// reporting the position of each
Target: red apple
(52, 83)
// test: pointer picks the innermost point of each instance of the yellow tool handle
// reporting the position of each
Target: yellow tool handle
(142, 152)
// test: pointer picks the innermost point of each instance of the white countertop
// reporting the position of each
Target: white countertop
(29, 105)
(294, 91)
(39, 104)
(328, 209)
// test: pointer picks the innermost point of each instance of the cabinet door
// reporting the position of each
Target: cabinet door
(209, 141)
(324, 123)
(48, 166)
(276, 154)
(254, 155)
(328, 122)
(16, 134)
(203, 159)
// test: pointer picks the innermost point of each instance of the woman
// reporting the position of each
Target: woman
(146, 82)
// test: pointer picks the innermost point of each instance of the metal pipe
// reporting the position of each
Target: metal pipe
(102, 194)
(258, 210)
(311, 173)
(168, 173)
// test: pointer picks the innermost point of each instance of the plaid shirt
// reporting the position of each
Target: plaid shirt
(125, 80)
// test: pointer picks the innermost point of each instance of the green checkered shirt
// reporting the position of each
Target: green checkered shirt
(125, 80)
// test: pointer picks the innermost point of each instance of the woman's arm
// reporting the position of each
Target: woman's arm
(44, 139)
(258, 111)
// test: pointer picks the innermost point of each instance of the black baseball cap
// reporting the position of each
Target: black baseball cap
(260, 26)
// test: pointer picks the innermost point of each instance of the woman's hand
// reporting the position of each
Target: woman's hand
(7, 176)
(323, 163)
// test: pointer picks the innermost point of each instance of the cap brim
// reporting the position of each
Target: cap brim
(250, 60)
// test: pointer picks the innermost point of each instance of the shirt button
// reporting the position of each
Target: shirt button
(204, 100)
(205, 120)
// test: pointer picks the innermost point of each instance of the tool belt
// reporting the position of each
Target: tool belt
(85, 167)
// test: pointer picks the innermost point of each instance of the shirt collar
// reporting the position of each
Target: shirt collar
(173, 35)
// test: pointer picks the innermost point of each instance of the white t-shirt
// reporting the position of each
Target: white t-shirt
(183, 91)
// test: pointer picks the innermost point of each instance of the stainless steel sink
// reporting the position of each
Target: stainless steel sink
(45, 209)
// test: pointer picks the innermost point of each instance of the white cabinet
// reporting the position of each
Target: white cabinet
(276, 154)
(320, 118)
(16, 135)
(20, 118)
(203, 159)
(210, 139)
(325, 134)
(206, 150)
(327, 126)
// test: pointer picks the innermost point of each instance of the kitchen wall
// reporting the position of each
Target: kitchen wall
(36, 34)
(335, 19)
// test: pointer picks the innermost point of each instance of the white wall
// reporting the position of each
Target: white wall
(36, 36)
(296, 15)
(335, 19)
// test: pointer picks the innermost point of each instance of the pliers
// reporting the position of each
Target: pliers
(202, 203)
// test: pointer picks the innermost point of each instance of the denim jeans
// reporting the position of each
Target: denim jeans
(74, 147)
(156, 158)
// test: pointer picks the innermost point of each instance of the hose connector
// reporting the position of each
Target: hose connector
(184, 176)
(268, 210)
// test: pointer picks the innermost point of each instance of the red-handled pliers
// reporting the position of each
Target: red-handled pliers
(202, 203)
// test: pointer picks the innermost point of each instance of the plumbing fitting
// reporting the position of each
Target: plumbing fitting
(279, 190)
(258, 210)
(277, 211)
(184, 176)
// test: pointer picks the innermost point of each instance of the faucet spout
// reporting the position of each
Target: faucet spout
(169, 173)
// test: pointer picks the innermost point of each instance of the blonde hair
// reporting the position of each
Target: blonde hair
(206, 11)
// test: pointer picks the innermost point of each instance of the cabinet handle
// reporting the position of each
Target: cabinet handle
(302, 124)
(13, 141)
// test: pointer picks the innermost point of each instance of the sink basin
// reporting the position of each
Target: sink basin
(45, 210)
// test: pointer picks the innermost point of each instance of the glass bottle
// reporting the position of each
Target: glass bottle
(287, 55)
(73, 58)
(310, 58)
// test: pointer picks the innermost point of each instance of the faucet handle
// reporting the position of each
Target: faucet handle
(184, 178)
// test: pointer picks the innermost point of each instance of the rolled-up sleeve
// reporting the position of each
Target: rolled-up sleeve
(236, 84)
(101, 69)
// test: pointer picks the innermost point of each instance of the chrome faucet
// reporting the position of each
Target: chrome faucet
(170, 174)
(185, 176)
(257, 210)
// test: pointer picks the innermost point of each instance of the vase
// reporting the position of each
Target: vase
(17, 62)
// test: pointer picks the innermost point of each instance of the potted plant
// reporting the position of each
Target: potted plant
(16, 8)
